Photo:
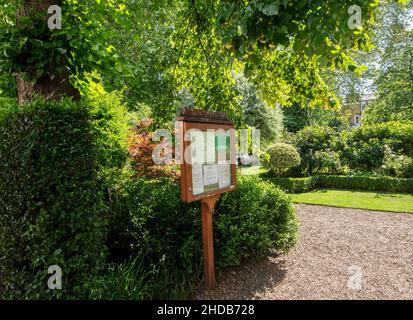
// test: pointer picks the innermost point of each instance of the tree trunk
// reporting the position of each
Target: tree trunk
(50, 86)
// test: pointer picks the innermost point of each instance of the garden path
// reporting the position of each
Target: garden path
(342, 254)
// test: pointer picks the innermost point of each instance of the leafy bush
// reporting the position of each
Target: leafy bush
(327, 161)
(364, 148)
(396, 165)
(141, 148)
(309, 142)
(51, 210)
(151, 223)
(386, 184)
(280, 157)
(252, 221)
(109, 120)
(369, 183)
(294, 185)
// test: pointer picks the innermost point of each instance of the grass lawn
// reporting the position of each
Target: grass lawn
(255, 170)
(358, 199)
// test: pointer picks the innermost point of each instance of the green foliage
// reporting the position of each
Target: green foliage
(327, 161)
(133, 280)
(257, 114)
(396, 165)
(280, 157)
(364, 148)
(309, 142)
(293, 185)
(145, 41)
(149, 219)
(150, 222)
(202, 73)
(394, 82)
(297, 117)
(316, 28)
(385, 184)
(82, 45)
(253, 221)
(109, 120)
(51, 210)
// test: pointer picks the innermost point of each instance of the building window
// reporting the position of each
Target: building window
(363, 105)
(357, 119)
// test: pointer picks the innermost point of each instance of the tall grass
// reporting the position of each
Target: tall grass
(133, 280)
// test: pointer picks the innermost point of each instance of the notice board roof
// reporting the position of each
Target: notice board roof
(204, 116)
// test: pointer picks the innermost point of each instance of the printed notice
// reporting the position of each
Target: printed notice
(210, 148)
(224, 175)
(210, 174)
(197, 179)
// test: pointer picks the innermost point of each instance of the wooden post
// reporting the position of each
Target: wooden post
(207, 210)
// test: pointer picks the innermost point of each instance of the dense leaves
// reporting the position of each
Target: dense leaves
(361, 182)
(364, 148)
(150, 222)
(280, 157)
(51, 209)
(309, 142)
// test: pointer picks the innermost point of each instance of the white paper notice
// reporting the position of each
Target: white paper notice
(197, 146)
(197, 179)
(224, 173)
(210, 174)
(210, 147)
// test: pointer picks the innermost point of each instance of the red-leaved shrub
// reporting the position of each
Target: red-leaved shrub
(141, 147)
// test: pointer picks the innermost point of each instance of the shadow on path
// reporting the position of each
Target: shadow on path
(248, 280)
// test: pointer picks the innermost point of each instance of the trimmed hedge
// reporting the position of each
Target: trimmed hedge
(293, 185)
(51, 210)
(385, 184)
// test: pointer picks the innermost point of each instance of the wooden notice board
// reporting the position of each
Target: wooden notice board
(214, 170)
(206, 147)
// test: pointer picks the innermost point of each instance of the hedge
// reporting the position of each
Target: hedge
(293, 185)
(51, 209)
(385, 184)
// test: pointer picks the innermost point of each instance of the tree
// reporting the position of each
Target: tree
(45, 61)
(257, 113)
(297, 117)
(388, 67)
(394, 83)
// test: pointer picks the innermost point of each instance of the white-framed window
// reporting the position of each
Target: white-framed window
(363, 105)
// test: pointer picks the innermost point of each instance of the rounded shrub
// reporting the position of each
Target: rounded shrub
(254, 220)
(51, 209)
(280, 157)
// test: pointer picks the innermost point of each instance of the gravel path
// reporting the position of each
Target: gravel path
(342, 254)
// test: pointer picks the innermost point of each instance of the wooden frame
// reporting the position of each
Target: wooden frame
(203, 123)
